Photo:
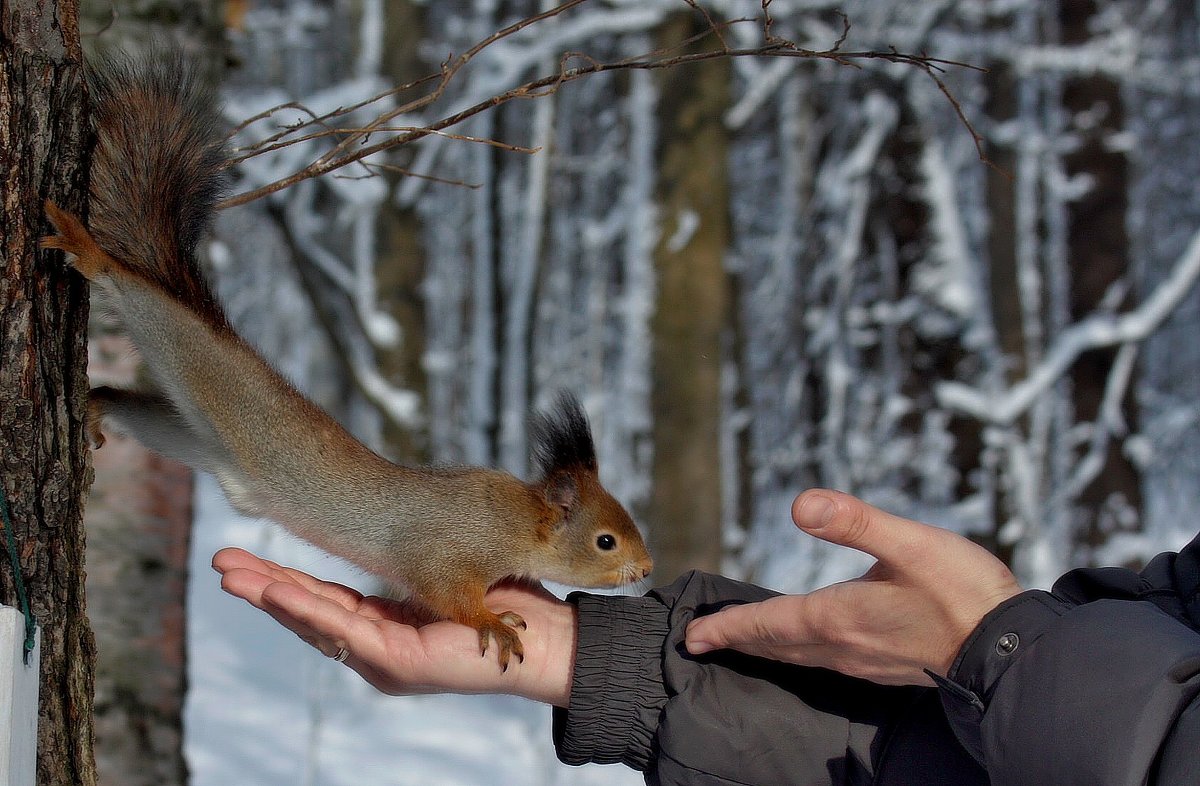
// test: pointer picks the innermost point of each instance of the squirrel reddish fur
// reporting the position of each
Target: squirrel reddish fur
(447, 534)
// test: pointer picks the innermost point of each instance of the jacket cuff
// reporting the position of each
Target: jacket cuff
(617, 691)
(998, 642)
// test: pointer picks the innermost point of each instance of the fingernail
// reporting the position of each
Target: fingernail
(695, 642)
(815, 512)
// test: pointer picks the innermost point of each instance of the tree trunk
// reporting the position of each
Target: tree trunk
(1099, 254)
(691, 314)
(44, 467)
(401, 262)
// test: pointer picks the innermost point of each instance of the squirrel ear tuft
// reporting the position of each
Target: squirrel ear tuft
(562, 490)
(561, 439)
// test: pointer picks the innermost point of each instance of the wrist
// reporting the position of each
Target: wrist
(969, 620)
(546, 674)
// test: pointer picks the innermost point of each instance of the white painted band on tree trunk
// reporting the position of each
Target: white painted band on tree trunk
(18, 701)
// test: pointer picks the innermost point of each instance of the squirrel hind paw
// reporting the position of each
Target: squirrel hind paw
(508, 642)
(86, 256)
(95, 436)
(95, 417)
(71, 235)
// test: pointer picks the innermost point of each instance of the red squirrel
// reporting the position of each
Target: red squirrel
(447, 534)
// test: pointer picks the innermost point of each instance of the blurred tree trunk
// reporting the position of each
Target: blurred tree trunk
(1098, 247)
(401, 269)
(1003, 282)
(139, 515)
(44, 467)
(691, 313)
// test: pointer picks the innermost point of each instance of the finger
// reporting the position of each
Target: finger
(348, 597)
(754, 628)
(245, 584)
(842, 519)
(322, 622)
(230, 558)
(233, 559)
(252, 586)
(328, 626)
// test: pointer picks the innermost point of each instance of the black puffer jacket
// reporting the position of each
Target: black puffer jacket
(1094, 683)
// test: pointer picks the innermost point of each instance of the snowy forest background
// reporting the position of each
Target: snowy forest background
(760, 275)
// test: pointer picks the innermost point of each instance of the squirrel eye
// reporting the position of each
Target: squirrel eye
(606, 542)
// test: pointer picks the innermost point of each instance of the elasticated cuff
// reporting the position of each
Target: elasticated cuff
(617, 692)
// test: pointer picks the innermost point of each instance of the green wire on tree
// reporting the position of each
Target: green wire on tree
(18, 580)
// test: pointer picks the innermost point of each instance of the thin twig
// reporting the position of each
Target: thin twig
(712, 25)
(354, 148)
(423, 176)
(337, 132)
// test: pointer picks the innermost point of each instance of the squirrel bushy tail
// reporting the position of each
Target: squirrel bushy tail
(156, 170)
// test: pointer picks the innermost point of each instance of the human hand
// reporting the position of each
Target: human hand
(911, 611)
(395, 647)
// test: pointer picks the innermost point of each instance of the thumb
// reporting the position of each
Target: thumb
(842, 519)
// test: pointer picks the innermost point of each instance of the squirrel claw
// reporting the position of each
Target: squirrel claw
(508, 643)
(513, 620)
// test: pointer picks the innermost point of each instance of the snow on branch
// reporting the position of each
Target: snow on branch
(1094, 332)
(388, 131)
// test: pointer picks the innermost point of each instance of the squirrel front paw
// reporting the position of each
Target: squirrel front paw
(502, 628)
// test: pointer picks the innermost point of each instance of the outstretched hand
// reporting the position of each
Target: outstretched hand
(911, 611)
(395, 648)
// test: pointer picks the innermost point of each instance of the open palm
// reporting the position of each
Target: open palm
(395, 646)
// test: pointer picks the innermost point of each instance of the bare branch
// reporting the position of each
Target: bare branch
(353, 145)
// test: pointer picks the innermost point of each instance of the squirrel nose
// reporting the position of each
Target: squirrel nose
(646, 567)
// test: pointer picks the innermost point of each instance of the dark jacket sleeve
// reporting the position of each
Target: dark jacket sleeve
(640, 699)
(1095, 682)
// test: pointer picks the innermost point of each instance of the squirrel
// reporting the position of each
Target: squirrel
(447, 534)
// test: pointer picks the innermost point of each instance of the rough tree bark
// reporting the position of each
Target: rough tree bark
(44, 466)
